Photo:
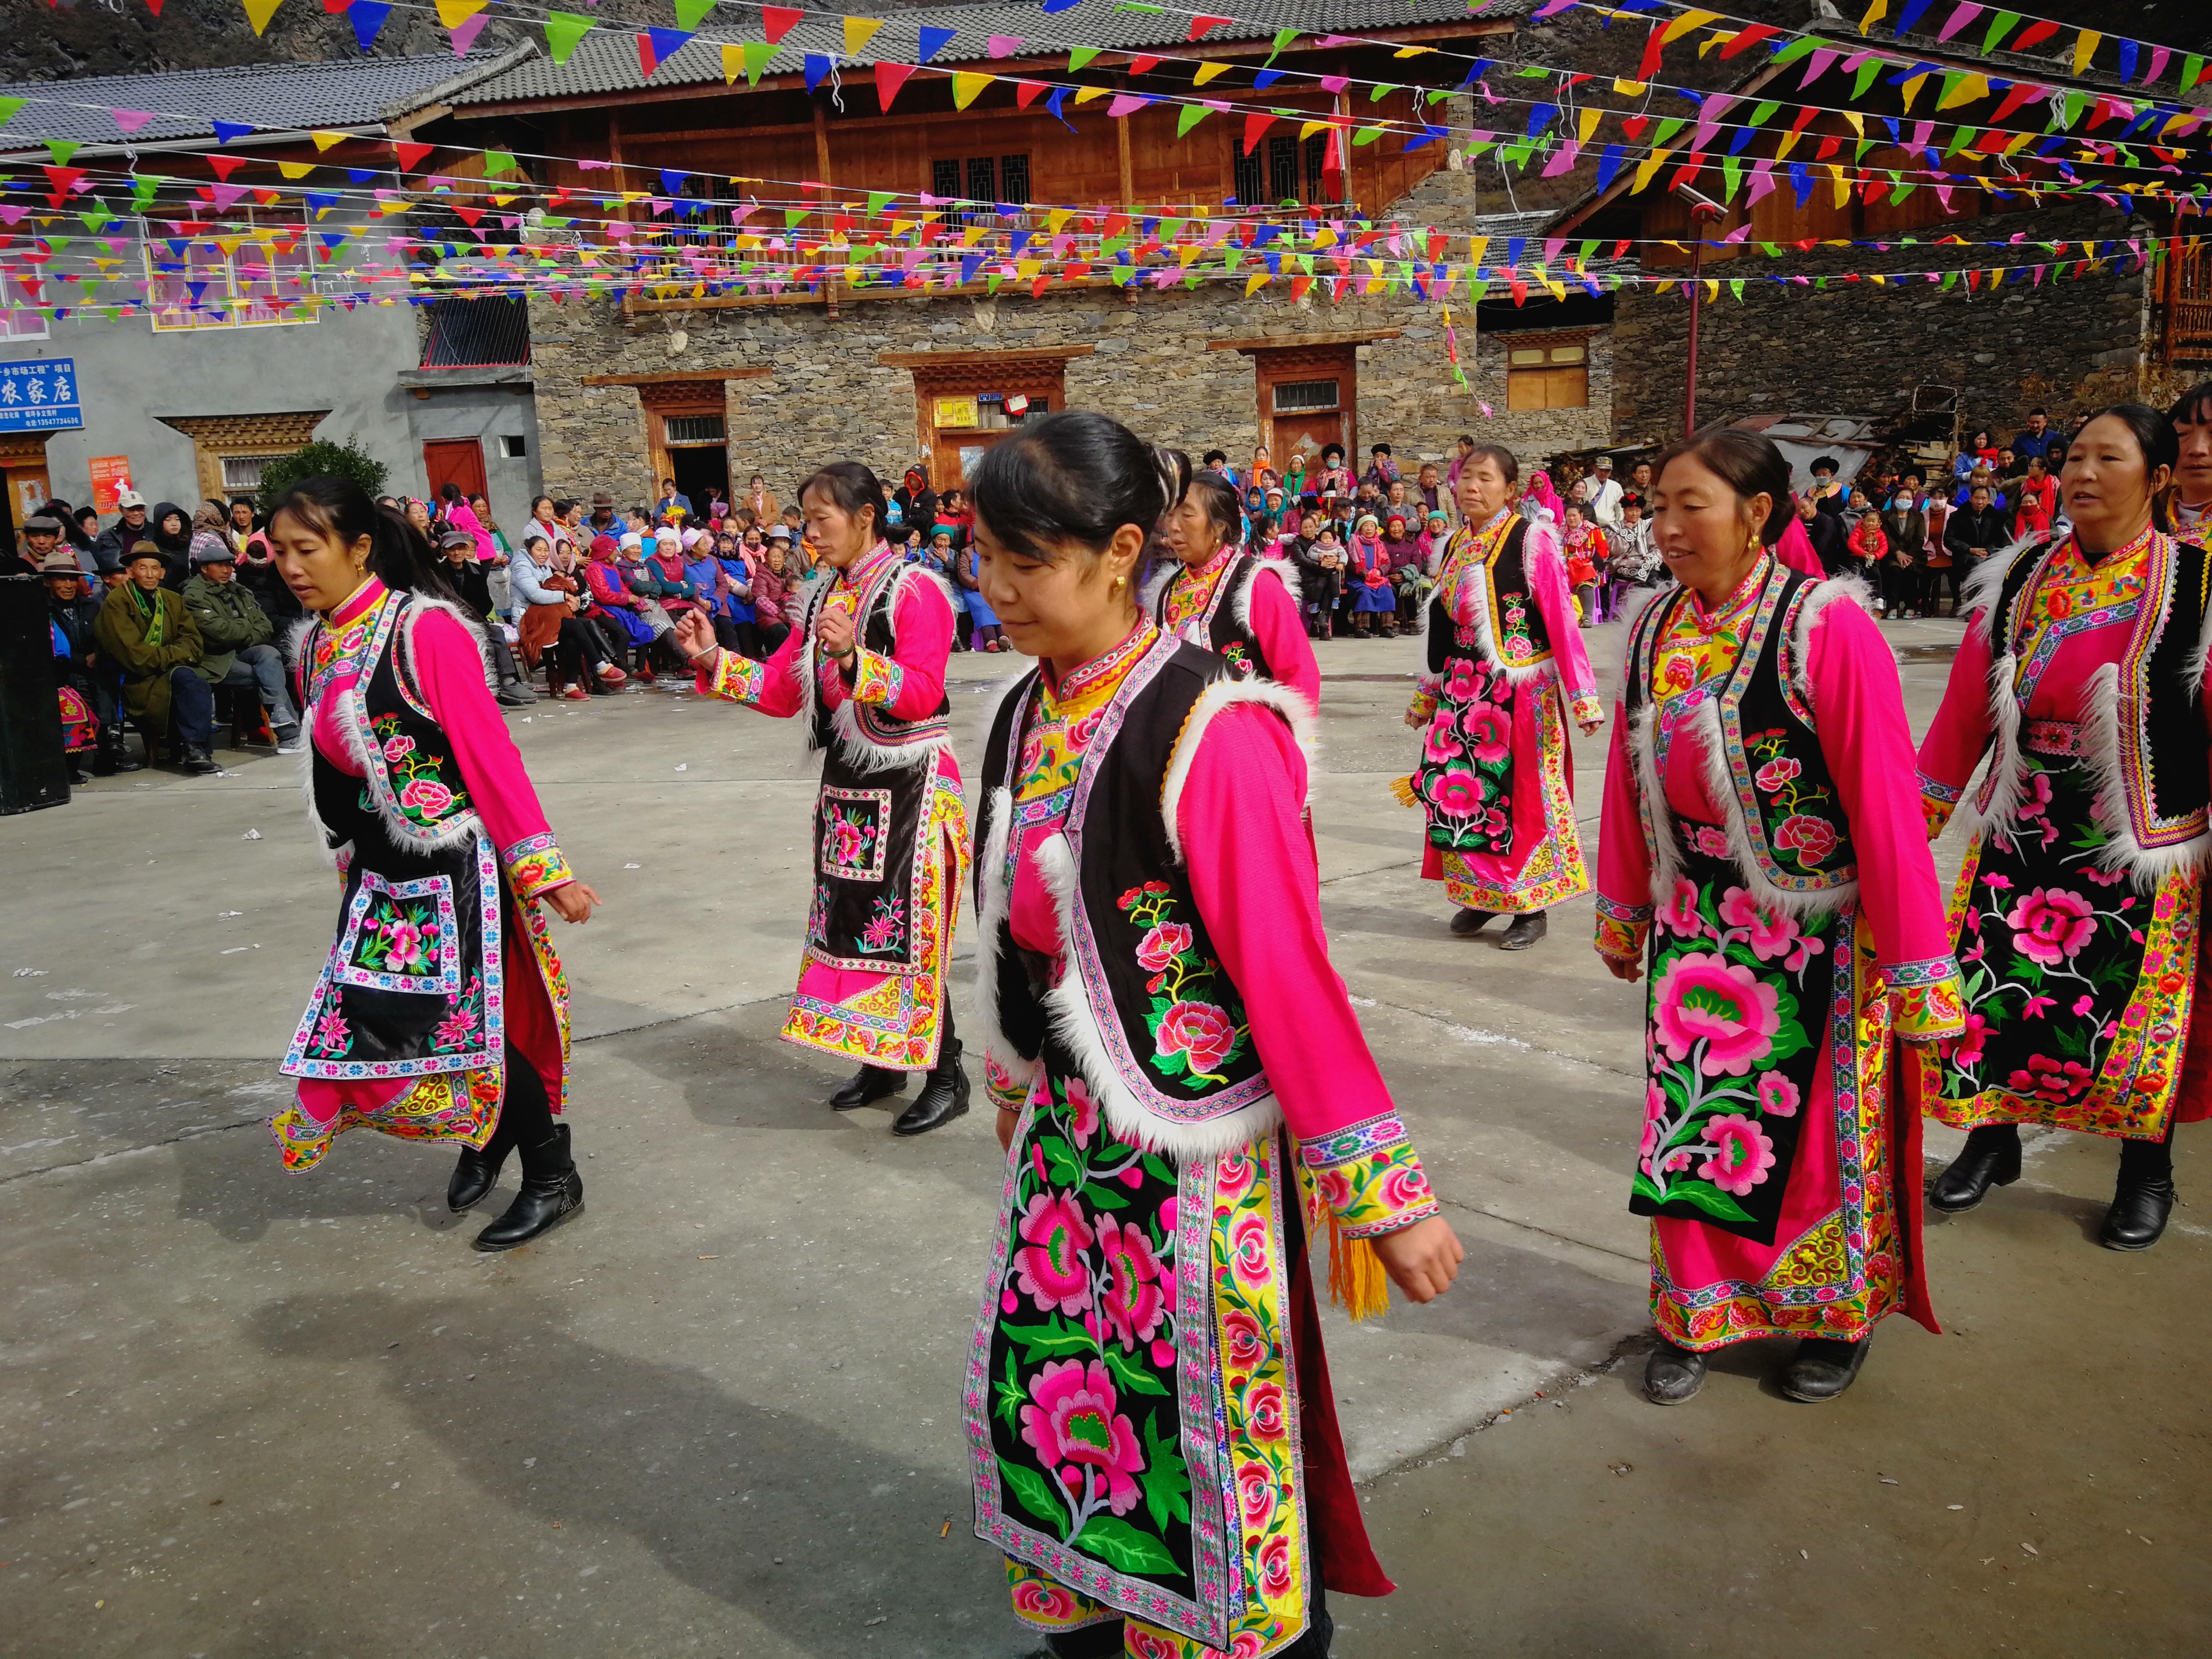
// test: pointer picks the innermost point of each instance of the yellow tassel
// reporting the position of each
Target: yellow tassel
(1357, 1283)
(1403, 789)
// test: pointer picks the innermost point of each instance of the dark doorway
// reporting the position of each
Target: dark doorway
(699, 472)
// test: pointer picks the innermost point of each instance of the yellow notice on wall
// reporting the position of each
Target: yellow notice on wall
(958, 412)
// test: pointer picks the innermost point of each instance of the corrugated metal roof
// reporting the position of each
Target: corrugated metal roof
(186, 103)
(606, 59)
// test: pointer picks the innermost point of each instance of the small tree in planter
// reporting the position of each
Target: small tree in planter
(347, 460)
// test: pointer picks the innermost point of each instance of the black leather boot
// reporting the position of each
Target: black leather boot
(476, 1173)
(944, 1094)
(551, 1192)
(1990, 1158)
(1470, 921)
(870, 1083)
(1673, 1374)
(1823, 1368)
(1525, 930)
(2145, 1195)
(196, 759)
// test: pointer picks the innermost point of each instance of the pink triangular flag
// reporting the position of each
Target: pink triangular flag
(464, 32)
(132, 120)
(1957, 20)
(1002, 46)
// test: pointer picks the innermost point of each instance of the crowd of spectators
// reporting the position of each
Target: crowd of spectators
(170, 620)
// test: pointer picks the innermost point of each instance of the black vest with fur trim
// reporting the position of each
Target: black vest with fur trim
(414, 983)
(1144, 1010)
(1228, 619)
(877, 632)
(1517, 638)
(1786, 825)
(2156, 754)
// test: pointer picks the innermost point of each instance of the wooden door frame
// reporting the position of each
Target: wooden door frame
(1278, 357)
(1042, 373)
(482, 472)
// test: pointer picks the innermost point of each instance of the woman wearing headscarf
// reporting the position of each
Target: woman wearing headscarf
(1150, 1421)
(1761, 857)
(2078, 907)
(617, 610)
(864, 667)
(170, 529)
(442, 1010)
(1212, 593)
(1371, 603)
(917, 503)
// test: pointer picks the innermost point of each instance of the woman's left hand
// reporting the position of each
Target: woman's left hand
(573, 902)
(1422, 1260)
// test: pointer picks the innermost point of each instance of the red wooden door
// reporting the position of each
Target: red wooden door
(454, 460)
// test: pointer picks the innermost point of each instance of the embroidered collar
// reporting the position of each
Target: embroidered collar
(364, 600)
(858, 573)
(1746, 593)
(2118, 556)
(1103, 672)
(1198, 575)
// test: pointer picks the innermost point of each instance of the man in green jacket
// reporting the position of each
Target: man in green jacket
(235, 635)
(145, 630)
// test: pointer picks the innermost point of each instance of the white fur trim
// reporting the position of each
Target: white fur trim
(990, 913)
(2192, 674)
(2001, 787)
(1705, 727)
(417, 604)
(1853, 589)
(1981, 591)
(1283, 572)
(1643, 753)
(1538, 543)
(1221, 694)
(1076, 1023)
(845, 722)
(2101, 740)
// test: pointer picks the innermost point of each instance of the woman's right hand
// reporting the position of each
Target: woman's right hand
(1626, 969)
(694, 637)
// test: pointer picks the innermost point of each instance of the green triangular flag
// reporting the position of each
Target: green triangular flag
(1078, 56)
(100, 215)
(878, 201)
(1732, 172)
(497, 161)
(757, 53)
(991, 283)
(1191, 116)
(143, 191)
(1867, 72)
(2076, 102)
(1765, 112)
(689, 12)
(1282, 38)
(8, 108)
(2000, 26)
(1735, 287)
(1369, 135)
(563, 30)
(1667, 129)
(62, 150)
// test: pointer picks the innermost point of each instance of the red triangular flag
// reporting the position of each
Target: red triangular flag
(1027, 93)
(330, 8)
(1198, 26)
(224, 166)
(889, 77)
(1254, 124)
(1649, 66)
(1749, 36)
(776, 20)
(648, 59)
(410, 155)
(1142, 65)
(154, 6)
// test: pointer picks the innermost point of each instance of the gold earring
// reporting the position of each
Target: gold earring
(1120, 580)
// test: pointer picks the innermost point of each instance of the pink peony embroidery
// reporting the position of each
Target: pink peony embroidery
(395, 748)
(1082, 1113)
(1441, 746)
(1143, 1644)
(1489, 734)
(1771, 932)
(1256, 1494)
(1713, 843)
(1275, 1567)
(1777, 1095)
(1776, 773)
(1050, 1267)
(2050, 924)
(402, 946)
(1655, 1112)
(1703, 997)
(1247, 1249)
(1462, 684)
(2050, 1080)
(1967, 1048)
(1161, 946)
(1242, 1338)
(1133, 1302)
(1200, 1032)
(426, 796)
(1405, 1188)
(1456, 793)
(1679, 914)
(1040, 1600)
(1742, 1155)
(1077, 1429)
(1810, 838)
(1263, 1410)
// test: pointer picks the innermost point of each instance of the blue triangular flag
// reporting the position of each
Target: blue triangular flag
(361, 175)
(933, 40)
(970, 264)
(1607, 165)
(1800, 178)
(367, 17)
(325, 198)
(666, 43)
(1263, 79)
(227, 131)
(671, 182)
(1053, 6)
(818, 67)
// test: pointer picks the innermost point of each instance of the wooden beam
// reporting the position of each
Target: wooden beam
(933, 359)
(1128, 164)
(1296, 342)
(677, 375)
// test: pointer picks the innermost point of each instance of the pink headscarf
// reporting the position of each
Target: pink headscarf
(1541, 491)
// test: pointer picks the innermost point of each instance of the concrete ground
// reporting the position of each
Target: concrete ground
(248, 1414)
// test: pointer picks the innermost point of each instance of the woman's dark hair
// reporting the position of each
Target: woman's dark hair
(397, 552)
(2158, 442)
(1829, 462)
(2193, 406)
(1747, 463)
(450, 490)
(536, 502)
(1218, 497)
(1076, 476)
(852, 486)
(1328, 450)
(1507, 464)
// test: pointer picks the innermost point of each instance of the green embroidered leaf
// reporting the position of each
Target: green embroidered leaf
(1158, 1167)
(1711, 1200)
(1011, 1396)
(1060, 1158)
(1055, 1336)
(1642, 1186)
(1035, 1493)
(1165, 1479)
(1103, 1197)
(1129, 1374)
(1125, 1549)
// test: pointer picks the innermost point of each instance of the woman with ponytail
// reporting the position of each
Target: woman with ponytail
(441, 1011)
(1148, 1408)
(1761, 856)
(2078, 907)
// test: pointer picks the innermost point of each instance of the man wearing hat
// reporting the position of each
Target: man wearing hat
(112, 546)
(235, 634)
(1605, 495)
(145, 631)
(42, 533)
(77, 666)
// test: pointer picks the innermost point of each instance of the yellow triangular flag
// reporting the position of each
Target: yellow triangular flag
(1207, 72)
(1254, 283)
(325, 140)
(258, 12)
(2084, 48)
(1969, 89)
(733, 64)
(1411, 52)
(296, 169)
(966, 84)
(859, 31)
(1910, 90)
(1311, 128)
(1475, 245)
(1683, 24)
(1651, 166)
(455, 13)
(1057, 218)
(1089, 92)
(1876, 13)
(1630, 88)
(1591, 117)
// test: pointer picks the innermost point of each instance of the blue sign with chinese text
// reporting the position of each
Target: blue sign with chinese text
(40, 397)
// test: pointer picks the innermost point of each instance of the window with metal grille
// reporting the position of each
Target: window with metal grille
(982, 179)
(1548, 376)
(1251, 179)
(243, 471)
(1301, 396)
(694, 429)
(944, 178)
(1014, 180)
(1282, 168)
(709, 213)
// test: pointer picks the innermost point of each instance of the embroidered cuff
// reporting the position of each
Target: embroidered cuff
(1007, 1079)
(1586, 708)
(735, 678)
(1926, 1004)
(1937, 802)
(876, 679)
(1622, 941)
(1423, 705)
(1369, 1177)
(535, 866)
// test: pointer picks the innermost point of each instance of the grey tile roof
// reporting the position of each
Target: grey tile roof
(606, 59)
(287, 97)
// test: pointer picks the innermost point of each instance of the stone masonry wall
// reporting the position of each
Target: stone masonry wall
(827, 397)
(1854, 349)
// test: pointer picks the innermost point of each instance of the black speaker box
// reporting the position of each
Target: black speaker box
(34, 766)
